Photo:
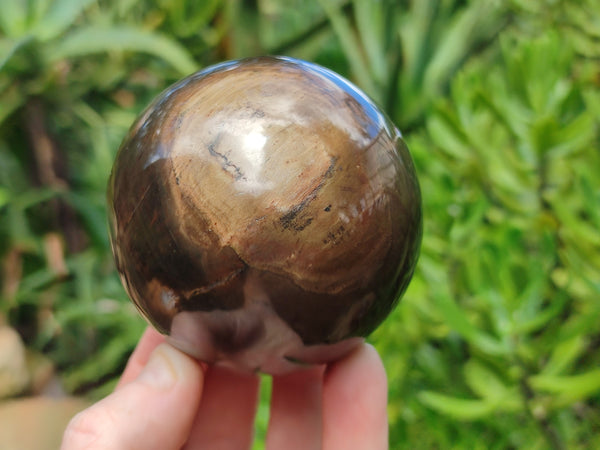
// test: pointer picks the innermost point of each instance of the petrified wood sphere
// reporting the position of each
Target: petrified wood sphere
(264, 214)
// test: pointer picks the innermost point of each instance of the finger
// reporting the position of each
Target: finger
(138, 359)
(355, 403)
(225, 419)
(295, 420)
(153, 411)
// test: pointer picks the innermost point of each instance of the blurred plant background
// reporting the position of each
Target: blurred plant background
(497, 341)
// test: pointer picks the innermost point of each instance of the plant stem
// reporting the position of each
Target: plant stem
(51, 172)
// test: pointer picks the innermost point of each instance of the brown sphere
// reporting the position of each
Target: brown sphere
(264, 213)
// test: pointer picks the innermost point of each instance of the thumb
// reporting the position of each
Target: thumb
(154, 411)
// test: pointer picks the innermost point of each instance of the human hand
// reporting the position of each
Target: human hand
(167, 400)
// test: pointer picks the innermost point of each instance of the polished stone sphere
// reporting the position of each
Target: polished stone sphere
(264, 214)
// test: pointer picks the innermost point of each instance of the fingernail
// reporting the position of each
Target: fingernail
(161, 371)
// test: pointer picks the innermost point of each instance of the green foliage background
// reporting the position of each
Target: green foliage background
(497, 341)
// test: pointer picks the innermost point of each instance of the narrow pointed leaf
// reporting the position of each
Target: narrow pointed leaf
(92, 40)
(458, 408)
(61, 15)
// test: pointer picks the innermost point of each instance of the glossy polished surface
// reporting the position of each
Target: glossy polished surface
(264, 213)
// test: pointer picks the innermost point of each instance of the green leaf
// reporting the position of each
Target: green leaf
(109, 358)
(432, 362)
(458, 408)
(457, 320)
(10, 100)
(482, 381)
(473, 24)
(591, 200)
(351, 47)
(577, 136)
(34, 281)
(8, 47)
(19, 231)
(580, 230)
(4, 197)
(416, 35)
(13, 17)
(189, 18)
(61, 15)
(534, 320)
(34, 197)
(508, 109)
(564, 355)
(370, 20)
(571, 388)
(96, 39)
(448, 137)
(93, 216)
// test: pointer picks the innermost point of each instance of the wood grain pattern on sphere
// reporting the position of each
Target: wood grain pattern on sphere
(264, 211)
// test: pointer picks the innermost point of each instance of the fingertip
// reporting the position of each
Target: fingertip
(364, 369)
(153, 411)
(361, 355)
(355, 402)
(295, 420)
(226, 415)
(139, 357)
(168, 366)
